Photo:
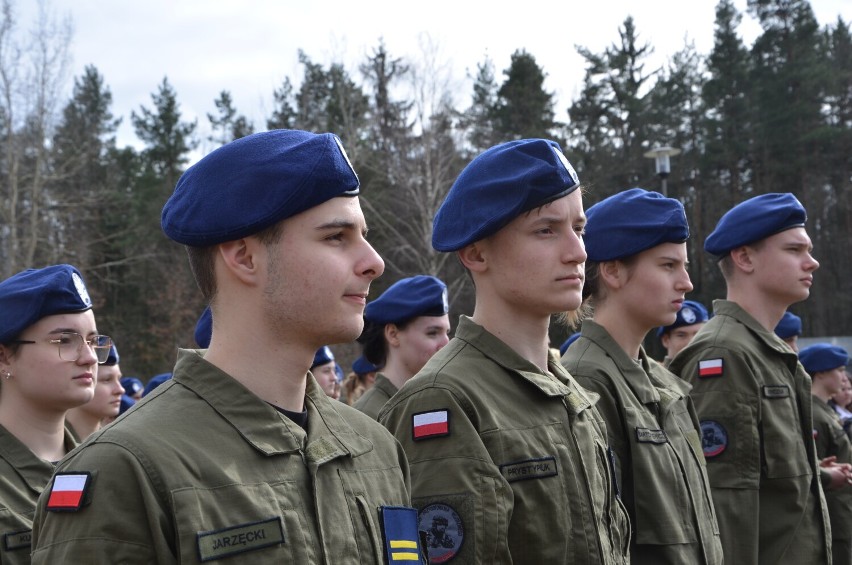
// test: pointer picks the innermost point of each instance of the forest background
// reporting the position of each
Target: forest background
(772, 116)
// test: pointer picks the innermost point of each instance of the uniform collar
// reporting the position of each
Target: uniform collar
(329, 435)
(384, 384)
(556, 384)
(768, 337)
(35, 472)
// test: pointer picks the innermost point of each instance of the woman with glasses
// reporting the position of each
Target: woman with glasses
(49, 354)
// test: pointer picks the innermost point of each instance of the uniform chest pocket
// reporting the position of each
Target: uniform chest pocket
(661, 499)
(260, 523)
(782, 444)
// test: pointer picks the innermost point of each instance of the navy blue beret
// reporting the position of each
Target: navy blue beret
(322, 356)
(156, 381)
(204, 329)
(29, 296)
(567, 343)
(126, 403)
(632, 221)
(421, 295)
(498, 186)
(362, 366)
(112, 357)
(823, 357)
(691, 312)
(755, 219)
(132, 385)
(255, 182)
(789, 326)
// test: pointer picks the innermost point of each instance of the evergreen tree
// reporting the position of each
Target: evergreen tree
(284, 115)
(523, 108)
(227, 125)
(478, 120)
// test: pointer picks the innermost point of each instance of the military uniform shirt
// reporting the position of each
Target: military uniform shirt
(652, 427)
(510, 461)
(831, 439)
(753, 400)
(203, 469)
(22, 478)
(372, 401)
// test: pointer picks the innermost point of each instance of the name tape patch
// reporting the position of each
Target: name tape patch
(68, 491)
(647, 435)
(18, 540)
(539, 468)
(216, 544)
(427, 425)
(776, 391)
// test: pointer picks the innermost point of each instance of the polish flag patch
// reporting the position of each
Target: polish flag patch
(710, 368)
(67, 492)
(427, 425)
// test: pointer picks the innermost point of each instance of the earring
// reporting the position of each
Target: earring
(7, 375)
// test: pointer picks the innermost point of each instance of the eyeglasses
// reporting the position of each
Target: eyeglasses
(70, 345)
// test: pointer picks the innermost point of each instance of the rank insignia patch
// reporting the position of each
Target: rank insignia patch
(427, 425)
(399, 531)
(710, 368)
(714, 438)
(67, 492)
(444, 531)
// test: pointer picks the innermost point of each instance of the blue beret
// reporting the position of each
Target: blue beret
(498, 186)
(322, 356)
(112, 357)
(632, 221)
(789, 326)
(690, 313)
(132, 385)
(422, 295)
(255, 182)
(126, 404)
(204, 329)
(29, 296)
(755, 219)
(823, 357)
(567, 343)
(338, 371)
(156, 381)
(362, 366)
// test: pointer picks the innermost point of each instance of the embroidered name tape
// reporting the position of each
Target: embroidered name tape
(426, 425)
(530, 469)
(67, 492)
(399, 530)
(776, 391)
(711, 368)
(647, 435)
(13, 541)
(215, 544)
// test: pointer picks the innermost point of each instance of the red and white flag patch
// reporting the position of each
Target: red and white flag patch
(67, 491)
(710, 368)
(431, 424)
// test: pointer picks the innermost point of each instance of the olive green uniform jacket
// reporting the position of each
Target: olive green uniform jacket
(203, 469)
(372, 401)
(831, 439)
(521, 468)
(22, 478)
(754, 407)
(653, 429)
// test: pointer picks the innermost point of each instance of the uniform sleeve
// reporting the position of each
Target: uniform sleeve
(464, 503)
(122, 518)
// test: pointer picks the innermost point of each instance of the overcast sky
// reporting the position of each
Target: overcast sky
(248, 47)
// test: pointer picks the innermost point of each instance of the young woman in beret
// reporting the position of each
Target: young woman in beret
(636, 280)
(49, 354)
(403, 329)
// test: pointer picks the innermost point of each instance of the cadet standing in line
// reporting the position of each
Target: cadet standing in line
(753, 397)
(49, 354)
(241, 454)
(826, 365)
(504, 446)
(324, 370)
(359, 381)
(403, 329)
(676, 336)
(789, 328)
(84, 420)
(636, 280)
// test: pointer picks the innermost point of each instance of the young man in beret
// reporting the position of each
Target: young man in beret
(826, 365)
(676, 336)
(752, 396)
(241, 454)
(504, 446)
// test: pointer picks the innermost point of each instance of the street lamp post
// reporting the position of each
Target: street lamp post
(661, 157)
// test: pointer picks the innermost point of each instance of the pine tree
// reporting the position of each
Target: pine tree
(523, 108)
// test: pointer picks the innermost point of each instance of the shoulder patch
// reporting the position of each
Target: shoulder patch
(444, 531)
(427, 425)
(714, 438)
(776, 391)
(711, 368)
(67, 491)
(399, 532)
